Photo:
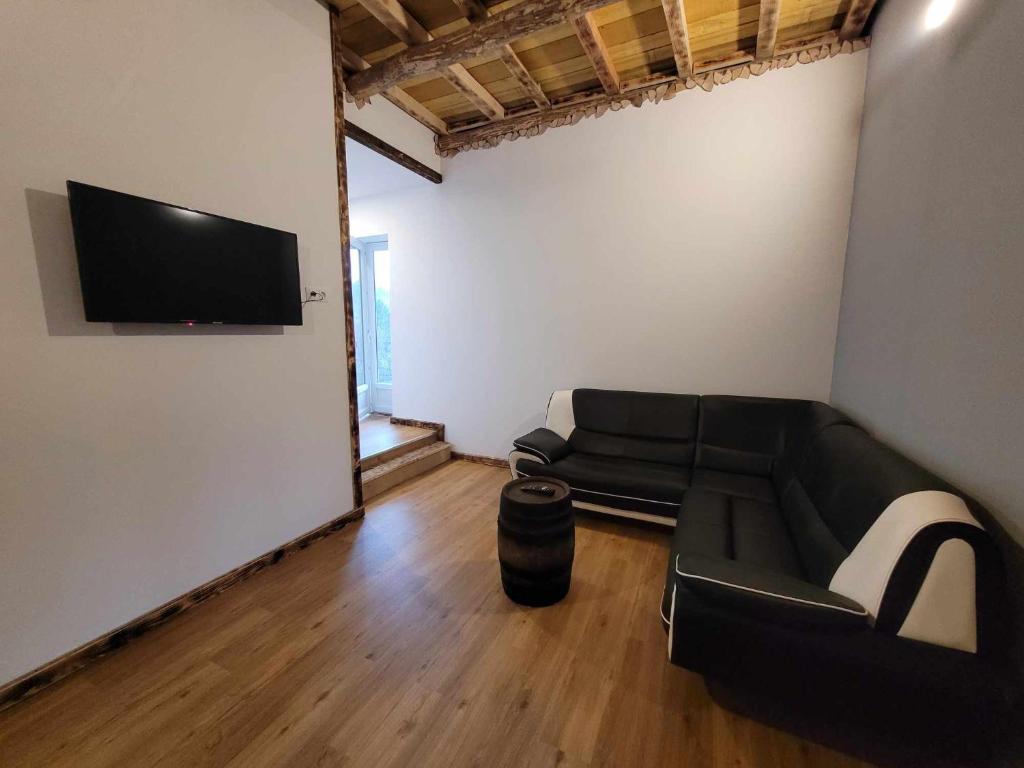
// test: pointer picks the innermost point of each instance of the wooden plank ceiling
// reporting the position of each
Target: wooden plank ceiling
(478, 72)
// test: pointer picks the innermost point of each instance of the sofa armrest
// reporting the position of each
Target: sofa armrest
(546, 445)
(768, 596)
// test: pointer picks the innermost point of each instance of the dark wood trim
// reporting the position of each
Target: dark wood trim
(337, 66)
(856, 19)
(767, 29)
(489, 461)
(381, 147)
(434, 425)
(593, 45)
(679, 35)
(72, 661)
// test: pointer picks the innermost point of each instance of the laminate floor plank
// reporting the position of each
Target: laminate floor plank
(391, 644)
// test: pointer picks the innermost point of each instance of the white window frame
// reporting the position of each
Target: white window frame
(374, 395)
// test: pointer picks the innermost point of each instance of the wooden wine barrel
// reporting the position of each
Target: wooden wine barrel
(536, 540)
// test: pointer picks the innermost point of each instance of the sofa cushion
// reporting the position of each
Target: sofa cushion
(767, 595)
(627, 484)
(746, 531)
(644, 426)
(745, 486)
(742, 435)
(845, 482)
(807, 420)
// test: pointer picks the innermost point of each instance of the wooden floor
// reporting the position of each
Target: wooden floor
(378, 434)
(391, 643)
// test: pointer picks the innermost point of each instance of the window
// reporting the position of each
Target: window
(382, 310)
(357, 315)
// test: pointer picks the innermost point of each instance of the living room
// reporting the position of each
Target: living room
(732, 288)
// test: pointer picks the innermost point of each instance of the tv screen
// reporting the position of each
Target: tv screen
(141, 261)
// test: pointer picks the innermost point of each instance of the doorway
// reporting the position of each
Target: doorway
(371, 310)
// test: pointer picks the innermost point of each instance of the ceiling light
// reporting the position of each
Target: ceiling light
(938, 13)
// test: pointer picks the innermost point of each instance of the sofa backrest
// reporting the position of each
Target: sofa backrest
(646, 426)
(762, 436)
(874, 526)
(744, 435)
(806, 421)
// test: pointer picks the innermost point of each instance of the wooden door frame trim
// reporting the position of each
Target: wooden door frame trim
(337, 62)
(381, 147)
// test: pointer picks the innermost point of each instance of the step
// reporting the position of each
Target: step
(404, 467)
(382, 457)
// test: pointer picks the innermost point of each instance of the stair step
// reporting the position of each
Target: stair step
(395, 451)
(407, 465)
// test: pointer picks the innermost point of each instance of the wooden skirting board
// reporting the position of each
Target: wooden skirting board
(489, 461)
(533, 122)
(70, 662)
(434, 425)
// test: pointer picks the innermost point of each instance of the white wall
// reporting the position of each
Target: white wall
(931, 334)
(692, 246)
(139, 462)
(370, 173)
(390, 124)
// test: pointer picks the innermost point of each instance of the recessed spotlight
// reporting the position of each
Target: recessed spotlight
(938, 13)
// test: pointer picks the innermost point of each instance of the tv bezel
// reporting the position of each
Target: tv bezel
(72, 184)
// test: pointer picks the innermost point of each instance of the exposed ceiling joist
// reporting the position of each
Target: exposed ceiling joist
(353, 62)
(400, 23)
(768, 29)
(474, 40)
(635, 94)
(471, 88)
(675, 18)
(515, 66)
(475, 10)
(856, 18)
(393, 15)
(593, 45)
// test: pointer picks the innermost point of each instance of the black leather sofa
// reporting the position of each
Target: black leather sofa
(818, 579)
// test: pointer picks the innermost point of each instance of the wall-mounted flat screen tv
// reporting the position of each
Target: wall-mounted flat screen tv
(141, 261)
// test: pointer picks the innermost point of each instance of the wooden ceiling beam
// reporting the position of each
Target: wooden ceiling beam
(474, 92)
(593, 45)
(856, 18)
(353, 62)
(768, 29)
(400, 22)
(393, 15)
(675, 18)
(519, 71)
(475, 10)
(477, 39)
(414, 109)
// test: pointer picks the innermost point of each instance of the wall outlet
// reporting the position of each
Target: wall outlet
(313, 294)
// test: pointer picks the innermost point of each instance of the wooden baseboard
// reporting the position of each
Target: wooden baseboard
(49, 673)
(490, 462)
(436, 426)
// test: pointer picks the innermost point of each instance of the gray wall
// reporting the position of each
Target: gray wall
(930, 351)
